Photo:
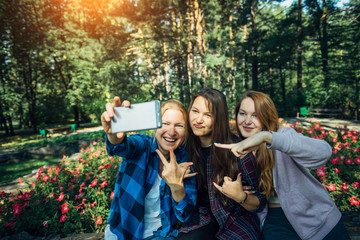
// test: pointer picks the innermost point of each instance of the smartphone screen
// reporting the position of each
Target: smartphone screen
(140, 116)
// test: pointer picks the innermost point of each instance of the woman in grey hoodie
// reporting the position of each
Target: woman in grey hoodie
(299, 206)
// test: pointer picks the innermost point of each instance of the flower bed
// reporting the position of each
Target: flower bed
(75, 196)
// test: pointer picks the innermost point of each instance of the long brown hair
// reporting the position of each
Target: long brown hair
(222, 161)
(267, 114)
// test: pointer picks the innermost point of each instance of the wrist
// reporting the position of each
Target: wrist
(245, 198)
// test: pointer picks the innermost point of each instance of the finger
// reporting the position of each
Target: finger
(238, 179)
(117, 102)
(225, 146)
(250, 192)
(126, 103)
(109, 110)
(218, 187)
(105, 117)
(246, 188)
(185, 165)
(162, 158)
(188, 175)
(236, 153)
(227, 179)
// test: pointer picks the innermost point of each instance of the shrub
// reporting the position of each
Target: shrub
(75, 196)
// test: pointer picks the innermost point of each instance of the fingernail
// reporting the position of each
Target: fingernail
(216, 143)
(213, 183)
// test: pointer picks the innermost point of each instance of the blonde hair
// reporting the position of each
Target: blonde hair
(268, 116)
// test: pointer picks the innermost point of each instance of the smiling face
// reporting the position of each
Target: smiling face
(201, 121)
(247, 120)
(172, 133)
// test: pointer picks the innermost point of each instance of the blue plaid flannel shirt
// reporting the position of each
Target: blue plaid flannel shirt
(137, 173)
(235, 222)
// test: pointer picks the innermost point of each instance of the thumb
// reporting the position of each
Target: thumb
(225, 146)
(238, 179)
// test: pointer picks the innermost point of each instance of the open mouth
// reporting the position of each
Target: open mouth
(170, 139)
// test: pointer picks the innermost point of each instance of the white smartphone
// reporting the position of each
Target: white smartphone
(139, 116)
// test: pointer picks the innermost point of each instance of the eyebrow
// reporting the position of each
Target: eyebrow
(199, 110)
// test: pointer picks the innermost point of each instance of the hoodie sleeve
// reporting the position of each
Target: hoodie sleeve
(309, 152)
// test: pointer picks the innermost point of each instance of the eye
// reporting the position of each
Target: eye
(165, 124)
(254, 116)
(242, 114)
(181, 126)
(208, 115)
(194, 110)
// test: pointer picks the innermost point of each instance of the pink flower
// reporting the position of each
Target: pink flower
(93, 183)
(99, 220)
(331, 187)
(344, 187)
(61, 197)
(20, 180)
(337, 170)
(45, 224)
(45, 178)
(104, 184)
(354, 201)
(355, 185)
(112, 195)
(357, 160)
(349, 162)
(62, 218)
(321, 172)
(64, 208)
(54, 179)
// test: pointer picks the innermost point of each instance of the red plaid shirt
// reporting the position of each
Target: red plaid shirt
(235, 222)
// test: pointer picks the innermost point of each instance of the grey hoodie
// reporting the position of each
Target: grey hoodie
(304, 200)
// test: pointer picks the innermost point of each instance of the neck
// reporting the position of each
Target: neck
(206, 141)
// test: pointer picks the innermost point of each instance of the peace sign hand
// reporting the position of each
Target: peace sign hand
(174, 174)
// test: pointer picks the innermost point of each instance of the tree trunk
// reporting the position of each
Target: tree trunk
(254, 47)
(76, 115)
(324, 44)
(299, 56)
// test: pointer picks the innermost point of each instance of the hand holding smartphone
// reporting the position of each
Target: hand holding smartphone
(139, 116)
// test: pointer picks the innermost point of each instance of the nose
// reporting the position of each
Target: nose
(248, 119)
(172, 130)
(199, 119)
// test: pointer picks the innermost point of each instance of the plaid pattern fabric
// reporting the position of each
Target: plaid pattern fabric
(235, 222)
(137, 173)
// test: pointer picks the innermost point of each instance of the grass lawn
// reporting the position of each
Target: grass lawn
(13, 170)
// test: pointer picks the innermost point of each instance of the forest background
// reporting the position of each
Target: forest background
(61, 60)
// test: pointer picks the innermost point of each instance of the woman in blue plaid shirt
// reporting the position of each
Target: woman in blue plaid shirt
(219, 215)
(151, 192)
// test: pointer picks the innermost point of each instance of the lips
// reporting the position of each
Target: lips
(198, 126)
(248, 129)
(171, 140)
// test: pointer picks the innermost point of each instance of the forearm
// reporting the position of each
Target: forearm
(251, 203)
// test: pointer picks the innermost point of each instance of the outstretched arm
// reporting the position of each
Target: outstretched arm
(248, 145)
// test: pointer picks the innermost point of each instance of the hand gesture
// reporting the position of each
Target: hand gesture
(106, 120)
(248, 145)
(232, 189)
(174, 174)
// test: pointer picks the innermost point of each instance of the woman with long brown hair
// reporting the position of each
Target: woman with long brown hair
(218, 215)
(299, 206)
